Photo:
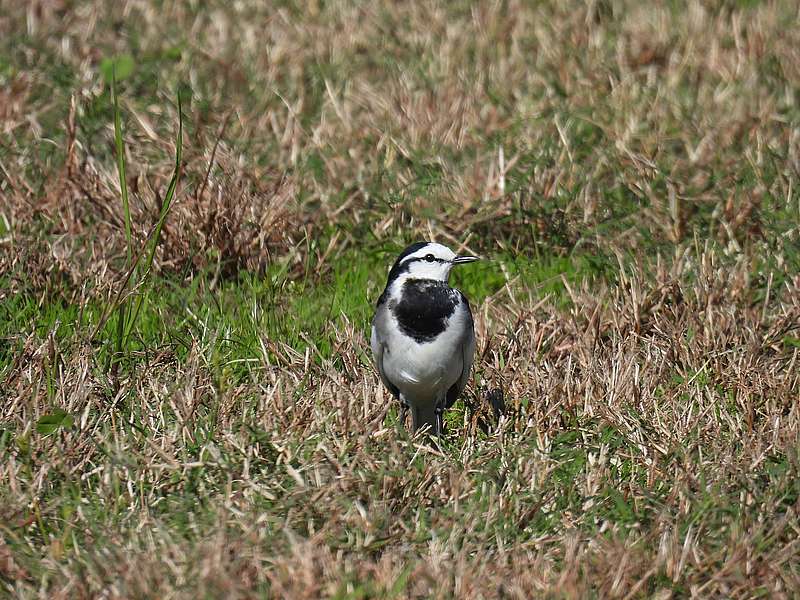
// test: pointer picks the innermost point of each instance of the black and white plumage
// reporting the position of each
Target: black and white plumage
(423, 340)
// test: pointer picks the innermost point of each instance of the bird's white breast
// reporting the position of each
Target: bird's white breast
(427, 368)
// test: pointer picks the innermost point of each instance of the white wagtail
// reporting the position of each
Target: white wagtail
(423, 339)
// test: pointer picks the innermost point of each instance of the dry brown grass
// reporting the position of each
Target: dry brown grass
(302, 493)
(244, 446)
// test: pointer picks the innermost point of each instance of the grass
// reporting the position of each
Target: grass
(629, 174)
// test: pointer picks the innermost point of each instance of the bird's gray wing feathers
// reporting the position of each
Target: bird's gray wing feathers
(376, 342)
(467, 356)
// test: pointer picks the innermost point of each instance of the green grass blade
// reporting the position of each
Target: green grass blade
(169, 196)
(123, 182)
(165, 207)
(121, 309)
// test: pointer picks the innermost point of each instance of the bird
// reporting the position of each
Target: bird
(423, 336)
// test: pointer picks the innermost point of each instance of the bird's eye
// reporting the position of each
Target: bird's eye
(429, 258)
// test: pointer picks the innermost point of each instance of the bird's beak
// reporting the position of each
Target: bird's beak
(460, 260)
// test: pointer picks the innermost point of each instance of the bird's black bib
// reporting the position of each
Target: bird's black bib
(424, 307)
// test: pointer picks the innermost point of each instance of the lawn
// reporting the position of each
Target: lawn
(199, 204)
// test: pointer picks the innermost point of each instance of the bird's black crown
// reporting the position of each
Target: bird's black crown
(397, 268)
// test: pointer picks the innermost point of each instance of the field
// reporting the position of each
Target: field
(188, 407)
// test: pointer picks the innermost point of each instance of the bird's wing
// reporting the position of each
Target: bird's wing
(378, 345)
(467, 356)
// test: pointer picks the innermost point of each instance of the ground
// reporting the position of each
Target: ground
(188, 406)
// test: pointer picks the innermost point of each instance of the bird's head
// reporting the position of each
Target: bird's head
(426, 260)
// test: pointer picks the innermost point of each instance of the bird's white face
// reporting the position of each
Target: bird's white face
(429, 261)
(432, 261)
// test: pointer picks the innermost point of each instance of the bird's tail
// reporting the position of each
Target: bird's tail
(422, 416)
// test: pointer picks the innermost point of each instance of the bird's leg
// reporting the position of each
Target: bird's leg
(439, 411)
(403, 414)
